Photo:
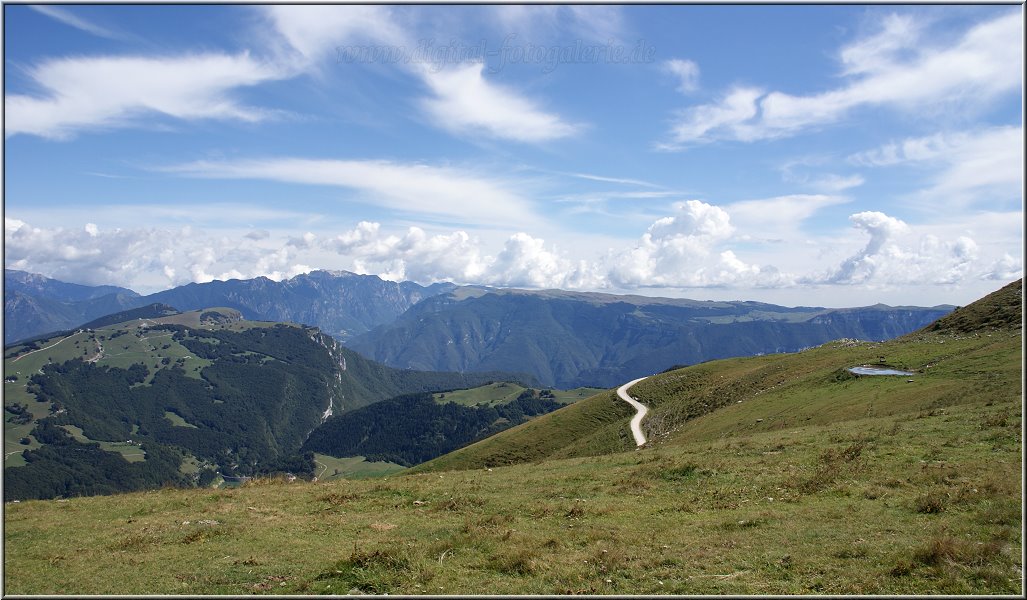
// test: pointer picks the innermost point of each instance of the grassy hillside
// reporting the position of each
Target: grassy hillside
(921, 502)
(975, 350)
(495, 394)
(770, 475)
(1000, 310)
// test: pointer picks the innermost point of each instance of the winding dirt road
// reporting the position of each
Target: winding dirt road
(47, 347)
(636, 421)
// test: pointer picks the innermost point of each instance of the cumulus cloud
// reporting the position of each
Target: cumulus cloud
(1005, 268)
(415, 255)
(881, 228)
(682, 251)
(893, 255)
(105, 92)
(894, 68)
(302, 242)
(150, 258)
(524, 261)
(258, 234)
(698, 246)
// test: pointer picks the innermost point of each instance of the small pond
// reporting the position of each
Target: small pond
(864, 370)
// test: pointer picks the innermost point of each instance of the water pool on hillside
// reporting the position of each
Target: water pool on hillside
(866, 370)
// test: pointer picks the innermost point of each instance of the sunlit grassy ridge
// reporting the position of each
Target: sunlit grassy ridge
(773, 392)
(817, 481)
(106, 346)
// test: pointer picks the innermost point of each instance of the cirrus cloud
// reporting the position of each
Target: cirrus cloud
(895, 68)
(105, 92)
(441, 193)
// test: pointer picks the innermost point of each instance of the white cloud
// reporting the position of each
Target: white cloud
(142, 258)
(524, 261)
(65, 16)
(971, 167)
(318, 32)
(897, 255)
(1005, 268)
(102, 92)
(258, 234)
(777, 219)
(303, 242)
(415, 255)
(607, 179)
(464, 102)
(881, 228)
(793, 172)
(696, 247)
(432, 192)
(898, 33)
(110, 91)
(683, 251)
(686, 72)
(732, 116)
(986, 62)
(538, 24)
(831, 182)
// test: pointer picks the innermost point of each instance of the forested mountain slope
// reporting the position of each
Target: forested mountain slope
(569, 339)
(150, 402)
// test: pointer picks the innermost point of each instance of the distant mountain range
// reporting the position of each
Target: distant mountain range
(340, 303)
(34, 305)
(571, 339)
(565, 339)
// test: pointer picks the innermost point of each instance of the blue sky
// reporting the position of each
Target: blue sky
(817, 155)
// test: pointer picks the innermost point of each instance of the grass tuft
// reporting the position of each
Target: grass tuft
(377, 571)
(931, 503)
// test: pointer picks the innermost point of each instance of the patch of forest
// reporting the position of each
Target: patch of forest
(414, 428)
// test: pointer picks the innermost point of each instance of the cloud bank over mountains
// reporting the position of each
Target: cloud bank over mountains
(691, 248)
